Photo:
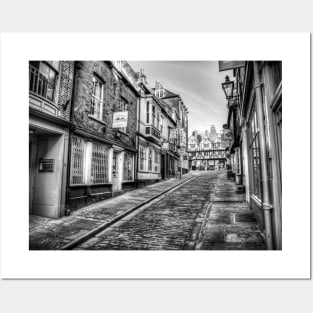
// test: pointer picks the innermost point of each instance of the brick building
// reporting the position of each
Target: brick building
(50, 92)
(102, 158)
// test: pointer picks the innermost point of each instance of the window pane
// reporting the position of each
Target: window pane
(44, 69)
(99, 164)
(77, 161)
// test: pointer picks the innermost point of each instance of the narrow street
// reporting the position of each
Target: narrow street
(197, 215)
(173, 222)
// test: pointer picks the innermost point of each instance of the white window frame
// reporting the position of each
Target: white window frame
(95, 101)
(87, 163)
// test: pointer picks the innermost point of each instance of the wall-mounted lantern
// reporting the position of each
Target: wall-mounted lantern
(228, 87)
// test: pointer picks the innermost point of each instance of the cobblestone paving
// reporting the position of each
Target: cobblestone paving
(172, 223)
(52, 234)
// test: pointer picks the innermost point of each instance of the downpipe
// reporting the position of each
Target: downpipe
(267, 208)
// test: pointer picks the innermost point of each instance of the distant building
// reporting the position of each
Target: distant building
(206, 151)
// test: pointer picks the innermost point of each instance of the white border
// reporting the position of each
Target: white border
(292, 262)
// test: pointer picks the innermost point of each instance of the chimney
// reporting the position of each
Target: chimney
(158, 85)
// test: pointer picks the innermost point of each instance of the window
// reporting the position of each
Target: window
(43, 78)
(160, 93)
(158, 120)
(128, 166)
(162, 124)
(148, 112)
(77, 161)
(254, 151)
(97, 98)
(142, 156)
(123, 106)
(153, 115)
(156, 161)
(149, 159)
(99, 164)
(89, 162)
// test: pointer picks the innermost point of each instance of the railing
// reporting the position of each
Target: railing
(153, 132)
(39, 84)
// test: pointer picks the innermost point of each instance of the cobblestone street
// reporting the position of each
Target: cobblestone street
(172, 223)
(201, 211)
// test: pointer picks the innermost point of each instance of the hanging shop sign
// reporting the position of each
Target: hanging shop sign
(120, 119)
(229, 65)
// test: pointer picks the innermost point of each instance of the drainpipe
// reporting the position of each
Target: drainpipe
(266, 206)
(69, 154)
(137, 138)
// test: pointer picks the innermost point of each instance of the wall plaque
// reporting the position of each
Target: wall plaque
(46, 165)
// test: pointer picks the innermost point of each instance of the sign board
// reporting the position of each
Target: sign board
(173, 134)
(229, 65)
(228, 134)
(46, 165)
(120, 119)
(227, 137)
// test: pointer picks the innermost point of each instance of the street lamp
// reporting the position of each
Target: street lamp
(228, 87)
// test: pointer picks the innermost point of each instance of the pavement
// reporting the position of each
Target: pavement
(231, 224)
(68, 231)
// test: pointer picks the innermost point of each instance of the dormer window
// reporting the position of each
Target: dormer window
(118, 64)
(160, 93)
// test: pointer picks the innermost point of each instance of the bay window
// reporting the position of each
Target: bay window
(142, 156)
(254, 151)
(156, 161)
(149, 160)
(43, 78)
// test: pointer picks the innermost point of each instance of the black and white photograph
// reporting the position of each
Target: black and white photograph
(155, 155)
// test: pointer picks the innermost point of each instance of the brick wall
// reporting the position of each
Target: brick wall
(66, 76)
(115, 87)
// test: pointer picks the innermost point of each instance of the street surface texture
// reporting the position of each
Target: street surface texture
(204, 213)
(174, 222)
(232, 224)
(53, 234)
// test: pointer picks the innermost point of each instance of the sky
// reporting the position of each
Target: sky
(199, 85)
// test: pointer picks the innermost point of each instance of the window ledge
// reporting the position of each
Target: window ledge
(97, 120)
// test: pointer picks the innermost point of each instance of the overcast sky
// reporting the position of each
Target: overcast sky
(199, 85)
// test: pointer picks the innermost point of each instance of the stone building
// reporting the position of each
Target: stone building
(50, 93)
(102, 157)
